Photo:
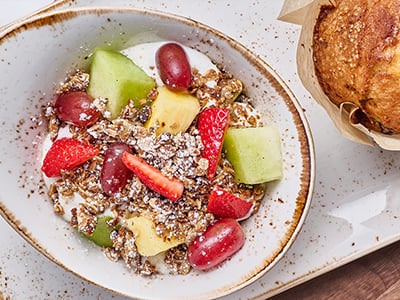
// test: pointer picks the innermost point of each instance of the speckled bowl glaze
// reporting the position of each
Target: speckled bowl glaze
(35, 56)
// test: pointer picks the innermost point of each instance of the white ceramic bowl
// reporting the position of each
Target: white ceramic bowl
(34, 58)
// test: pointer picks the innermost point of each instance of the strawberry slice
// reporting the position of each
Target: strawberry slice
(212, 124)
(151, 177)
(66, 154)
(223, 204)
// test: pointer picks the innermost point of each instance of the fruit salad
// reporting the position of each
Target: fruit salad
(156, 155)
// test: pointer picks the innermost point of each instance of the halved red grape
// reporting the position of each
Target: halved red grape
(114, 174)
(220, 241)
(174, 67)
(76, 108)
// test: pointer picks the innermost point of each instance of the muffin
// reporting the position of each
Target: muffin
(356, 53)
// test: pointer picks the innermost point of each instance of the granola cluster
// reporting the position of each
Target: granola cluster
(177, 156)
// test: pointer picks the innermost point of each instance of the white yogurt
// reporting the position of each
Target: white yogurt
(143, 55)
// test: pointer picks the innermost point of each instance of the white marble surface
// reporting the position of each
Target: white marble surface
(353, 212)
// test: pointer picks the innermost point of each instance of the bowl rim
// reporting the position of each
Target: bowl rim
(308, 168)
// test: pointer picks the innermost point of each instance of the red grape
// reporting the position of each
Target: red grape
(174, 67)
(220, 241)
(114, 174)
(76, 108)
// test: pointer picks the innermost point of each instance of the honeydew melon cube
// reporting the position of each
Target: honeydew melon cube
(116, 77)
(255, 154)
(101, 235)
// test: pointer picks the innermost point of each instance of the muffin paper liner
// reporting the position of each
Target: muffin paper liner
(305, 13)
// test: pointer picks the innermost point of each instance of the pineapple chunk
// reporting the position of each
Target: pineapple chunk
(147, 241)
(173, 112)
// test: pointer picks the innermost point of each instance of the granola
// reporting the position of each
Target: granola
(177, 156)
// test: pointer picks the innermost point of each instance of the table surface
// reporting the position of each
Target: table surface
(375, 276)
(26, 274)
